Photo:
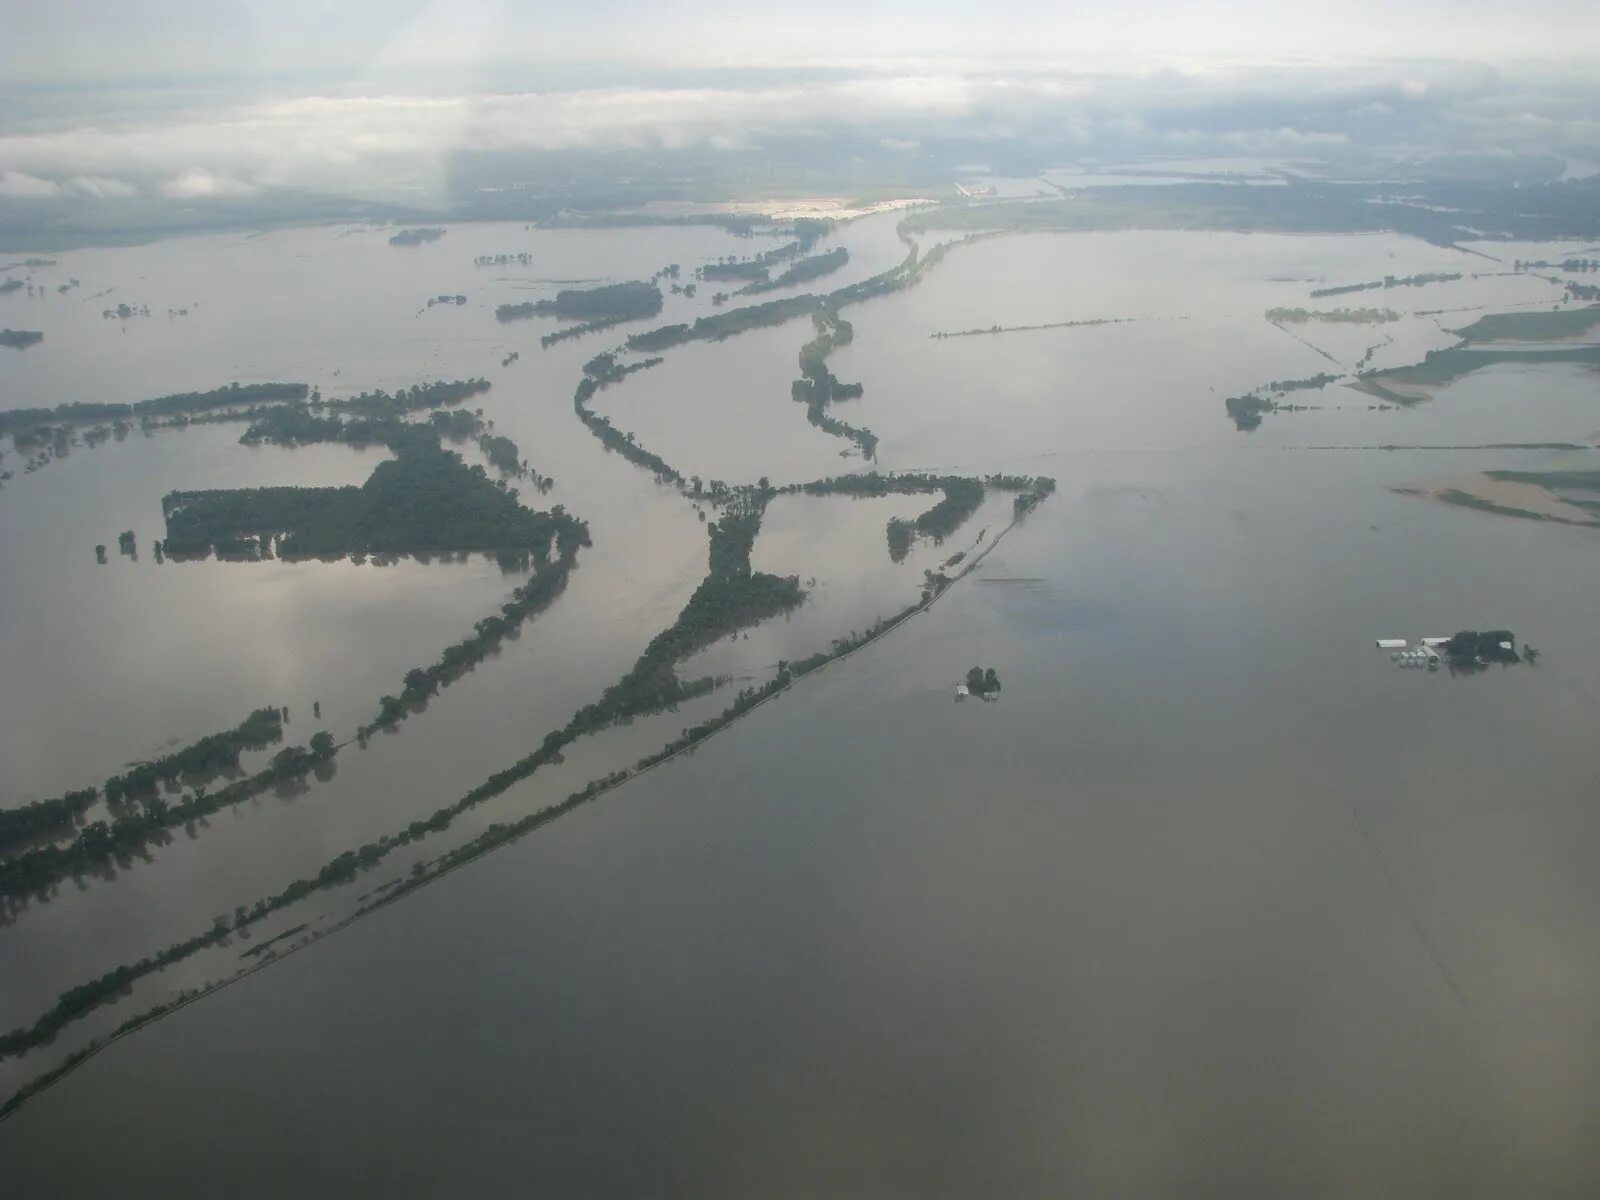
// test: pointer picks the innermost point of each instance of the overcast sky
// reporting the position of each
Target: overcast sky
(98, 40)
(345, 95)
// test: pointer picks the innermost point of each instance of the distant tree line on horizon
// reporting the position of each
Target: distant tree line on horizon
(416, 237)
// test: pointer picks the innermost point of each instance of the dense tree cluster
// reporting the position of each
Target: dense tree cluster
(502, 453)
(20, 339)
(733, 269)
(426, 500)
(981, 682)
(725, 324)
(730, 597)
(27, 822)
(607, 304)
(803, 271)
(416, 237)
(1468, 647)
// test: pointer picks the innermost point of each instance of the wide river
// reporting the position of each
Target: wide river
(1214, 901)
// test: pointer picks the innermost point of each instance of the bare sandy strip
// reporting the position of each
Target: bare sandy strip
(1507, 493)
(836, 207)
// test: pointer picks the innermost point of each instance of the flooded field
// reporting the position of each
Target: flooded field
(1207, 867)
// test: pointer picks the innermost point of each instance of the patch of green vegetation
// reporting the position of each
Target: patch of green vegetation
(981, 682)
(1468, 500)
(1445, 366)
(99, 842)
(19, 339)
(416, 237)
(818, 387)
(426, 500)
(804, 270)
(1248, 409)
(1551, 479)
(1532, 326)
(598, 372)
(607, 304)
(726, 324)
(730, 597)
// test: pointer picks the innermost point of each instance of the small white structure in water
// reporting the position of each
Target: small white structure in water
(961, 692)
(1391, 643)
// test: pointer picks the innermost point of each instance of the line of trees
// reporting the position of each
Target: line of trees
(84, 413)
(1388, 281)
(99, 842)
(725, 324)
(818, 387)
(803, 271)
(78, 1002)
(597, 373)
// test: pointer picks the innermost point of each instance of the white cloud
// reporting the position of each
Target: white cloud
(197, 183)
(15, 183)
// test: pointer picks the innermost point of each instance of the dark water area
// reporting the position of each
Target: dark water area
(1213, 901)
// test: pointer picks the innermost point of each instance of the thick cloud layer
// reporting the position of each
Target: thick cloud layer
(372, 142)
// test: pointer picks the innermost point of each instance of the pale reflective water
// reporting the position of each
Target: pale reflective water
(1214, 900)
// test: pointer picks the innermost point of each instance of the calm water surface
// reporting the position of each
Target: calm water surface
(1214, 900)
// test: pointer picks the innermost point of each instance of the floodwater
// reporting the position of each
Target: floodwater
(1212, 901)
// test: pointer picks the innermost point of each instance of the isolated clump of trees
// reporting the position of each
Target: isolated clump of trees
(983, 681)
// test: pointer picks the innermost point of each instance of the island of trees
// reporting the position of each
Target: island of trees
(425, 500)
(1247, 410)
(20, 339)
(1470, 648)
(983, 682)
(611, 302)
(817, 386)
(802, 271)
